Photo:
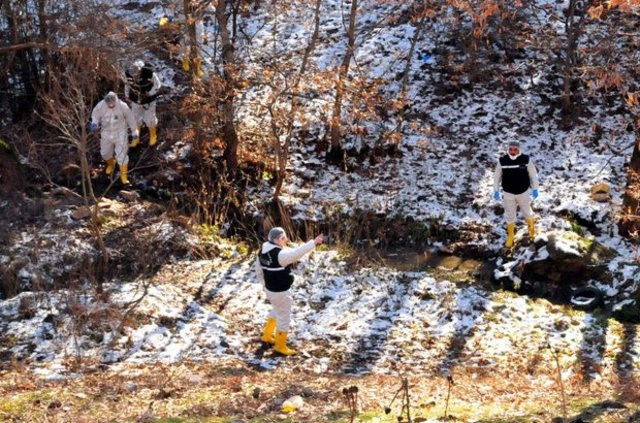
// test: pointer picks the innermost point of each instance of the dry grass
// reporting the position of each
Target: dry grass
(234, 391)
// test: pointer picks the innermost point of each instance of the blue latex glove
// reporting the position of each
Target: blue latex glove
(92, 127)
(534, 193)
(496, 195)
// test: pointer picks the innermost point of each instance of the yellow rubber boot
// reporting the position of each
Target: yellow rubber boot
(198, 62)
(123, 174)
(136, 141)
(153, 136)
(531, 223)
(111, 164)
(269, 329)
(511, 231)
(281, 344)
(185, 64)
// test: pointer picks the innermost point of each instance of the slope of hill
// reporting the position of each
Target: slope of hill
(184, 299)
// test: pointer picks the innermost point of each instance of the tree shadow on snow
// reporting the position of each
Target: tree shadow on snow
(593, 411)
(466, 313)
(624, 357)
(374, 343)
(215, 297)
(369, 348)
(219, 298)
(593, 348)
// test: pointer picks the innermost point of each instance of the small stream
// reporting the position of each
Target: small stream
(440, 265)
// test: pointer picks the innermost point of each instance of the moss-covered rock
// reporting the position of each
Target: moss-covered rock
(570, 257)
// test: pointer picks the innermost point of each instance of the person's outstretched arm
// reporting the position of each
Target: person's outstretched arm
(288, 256)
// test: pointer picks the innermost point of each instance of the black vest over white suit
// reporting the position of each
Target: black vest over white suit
(141, 86)
(276, 277)
(515, 176)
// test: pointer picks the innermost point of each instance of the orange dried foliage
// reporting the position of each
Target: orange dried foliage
(595, 13)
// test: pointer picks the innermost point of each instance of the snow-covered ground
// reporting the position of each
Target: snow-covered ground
(371, 319)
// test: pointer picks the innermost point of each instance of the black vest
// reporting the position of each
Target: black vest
(515, 176)
(140, 87)
(276, 277)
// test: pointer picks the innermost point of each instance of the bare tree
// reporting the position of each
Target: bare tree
(229, 74)
(335, 132)
(289, 116)
(66, 107)
(402, 98)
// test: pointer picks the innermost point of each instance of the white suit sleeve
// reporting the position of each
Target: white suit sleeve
(131, 120)
(286, 257)
(497, 177)
(259, 272)
(156, 84)
(533, 175)
(96, 114)
(127, 86)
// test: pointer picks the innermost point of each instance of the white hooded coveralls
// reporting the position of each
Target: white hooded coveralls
(113, 124)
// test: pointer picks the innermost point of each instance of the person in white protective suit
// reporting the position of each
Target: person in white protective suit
(516, 174)
(190, 55)
(141, 89)
(112, 116)
(273, 270)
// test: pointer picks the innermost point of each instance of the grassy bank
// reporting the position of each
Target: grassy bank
(197, 392)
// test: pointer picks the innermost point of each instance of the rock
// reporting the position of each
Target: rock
(130, 196)
(567, 246)
(601, 197)
(601, 192)
(54, 404)
(561, 262)
(81, 213)
(574, 253)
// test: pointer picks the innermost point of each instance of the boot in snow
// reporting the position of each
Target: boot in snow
(281, 344)
(511, 229)
(269, 329)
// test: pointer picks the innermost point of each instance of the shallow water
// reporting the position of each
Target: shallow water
(443, 266)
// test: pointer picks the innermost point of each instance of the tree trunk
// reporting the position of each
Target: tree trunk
(44, 30)
(335, 124)
(190, 23)
(229, 134)
(283, 152)
(629, 224)
(572, 29)
(405, 76)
